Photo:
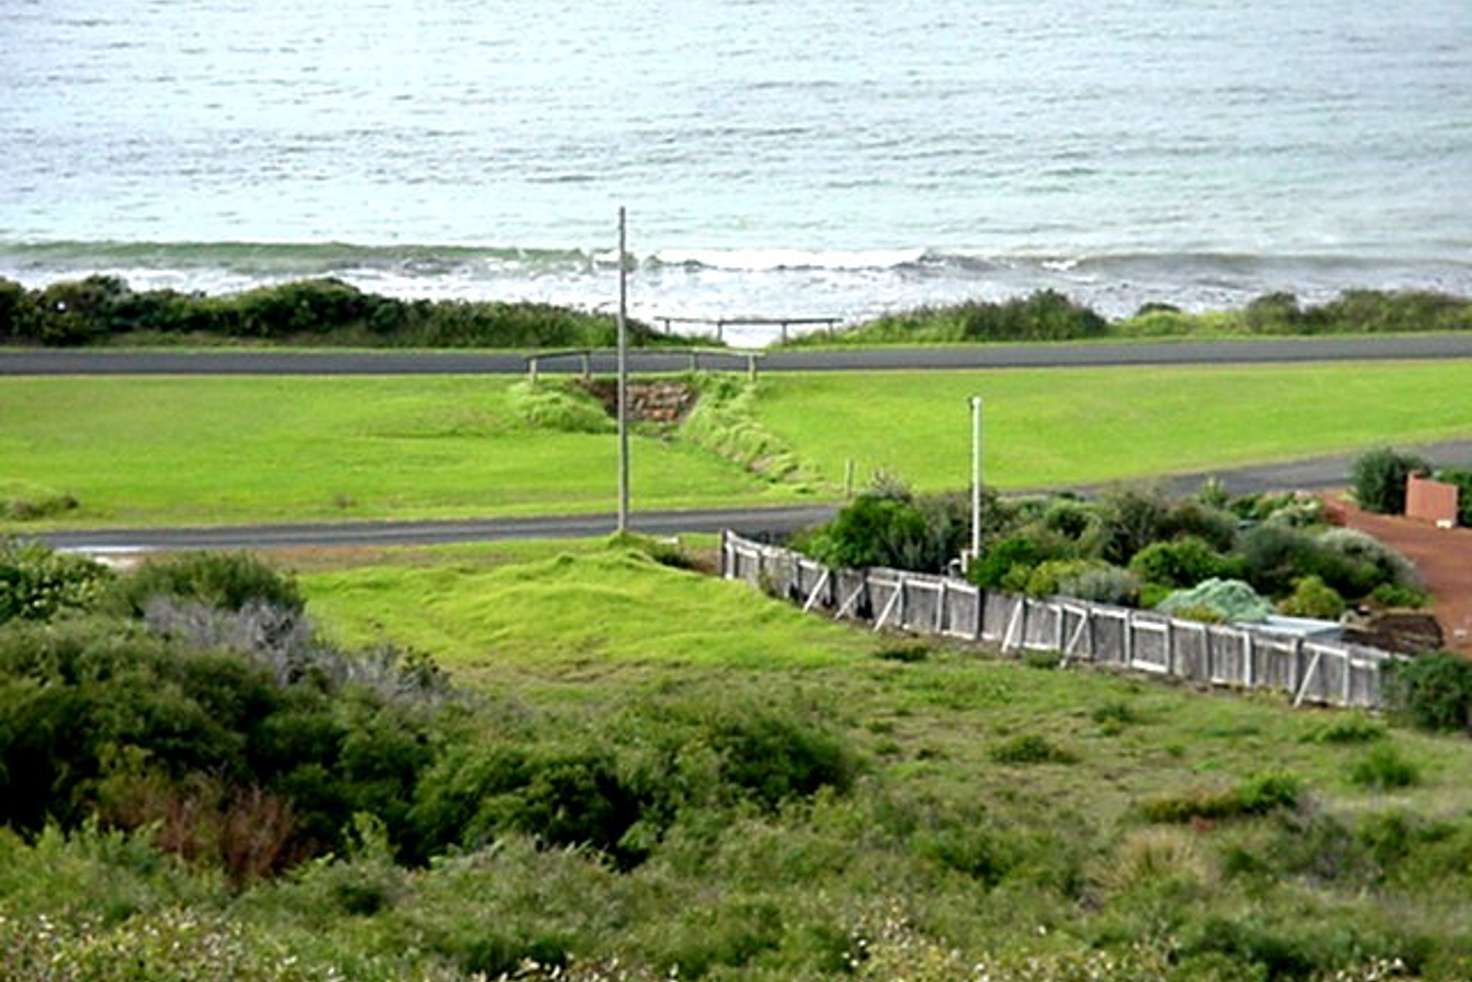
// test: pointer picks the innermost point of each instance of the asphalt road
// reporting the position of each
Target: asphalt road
(244, 362)
(1307, 474)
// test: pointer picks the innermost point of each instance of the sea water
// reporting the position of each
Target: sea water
(823, 158)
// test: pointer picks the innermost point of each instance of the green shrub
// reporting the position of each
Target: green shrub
(1275, 313)
(1133, 517)
(1348, 728)
(895, 530)
(37, 583)
(1213, 525)
(1393, 595)
(1029, 748)
(564, 408)
(1179, 563)
(1116, 712)
(1257, 795)
(1311, 597)
(1384, 769)
(1379, 479)
(227, 580)
(1047, 578)
(13, 309)
(1432, 691)
(75, 312)
(1043, 316)
(1103, 584)
(1350, 551)
(907, 654)
(24, 501)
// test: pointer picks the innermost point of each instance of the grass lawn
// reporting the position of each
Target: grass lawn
(233, 450)
(225, 450)
(1066, 426)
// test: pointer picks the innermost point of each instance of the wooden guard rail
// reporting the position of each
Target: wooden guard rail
(721, 323)
(534, 360)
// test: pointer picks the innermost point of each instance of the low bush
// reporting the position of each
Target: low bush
(1047, 578)
(23, 501)
(1212, 524)
(1379, 479)
(1345, 729)
(1102, 584)
(892, 528)
(37, 583)
(1352, 550)
(1029, 748)
(225, 580)
(1257, 795)
(1182, 562)
(561, 407)
(1432, 691)
(1393, 595)
(1311, 597)
(1133, 518)
(1384, 769)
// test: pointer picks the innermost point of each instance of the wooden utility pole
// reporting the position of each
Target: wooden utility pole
(623, 377)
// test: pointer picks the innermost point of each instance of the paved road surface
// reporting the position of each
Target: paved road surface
(1307, 474)
(238, 362)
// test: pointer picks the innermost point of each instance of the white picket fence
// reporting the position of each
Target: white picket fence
(1308, 671)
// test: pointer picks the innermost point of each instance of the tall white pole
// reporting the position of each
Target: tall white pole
(623, 379)
(975, 477)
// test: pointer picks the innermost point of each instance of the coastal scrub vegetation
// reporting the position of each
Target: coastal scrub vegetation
(1209, 556)
(1047, 315)
(217, 785)
(101, 310)
(205, 788)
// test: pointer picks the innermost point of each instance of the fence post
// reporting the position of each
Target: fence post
(1249, 671)
(531, 368)
(751, 367)
(1129, 640)
(725, 555)
(940, 612)
(980, 612)
(1170, 646)
(1348, 668)
(587, 360)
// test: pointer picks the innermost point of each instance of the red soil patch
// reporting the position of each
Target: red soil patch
(1443, 557)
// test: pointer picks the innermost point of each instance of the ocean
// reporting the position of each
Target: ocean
(828, 158)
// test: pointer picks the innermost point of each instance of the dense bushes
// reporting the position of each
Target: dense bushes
(224, 580)
(1379, 479)
(99, 308)
(1049, 316)
(1433, 691)
(196, 698)
(37, 583)
(889, 526)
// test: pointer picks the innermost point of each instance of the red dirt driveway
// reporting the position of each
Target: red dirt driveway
(1443, 556)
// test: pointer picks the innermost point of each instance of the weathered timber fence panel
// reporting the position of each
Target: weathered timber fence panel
(1307, 671)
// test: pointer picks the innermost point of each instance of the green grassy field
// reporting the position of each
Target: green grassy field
(229, 450)
(182, 451)
(1065, 426)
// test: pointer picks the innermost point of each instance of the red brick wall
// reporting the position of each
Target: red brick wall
(1431, 501)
